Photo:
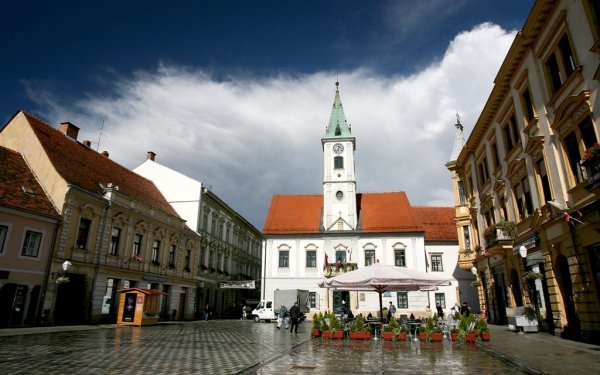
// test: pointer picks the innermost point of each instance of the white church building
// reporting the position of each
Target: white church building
(307, 238)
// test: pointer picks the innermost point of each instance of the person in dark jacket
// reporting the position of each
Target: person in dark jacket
(464, 309)
(295, 315)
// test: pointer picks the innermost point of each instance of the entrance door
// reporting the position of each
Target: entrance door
(70, 306)
(500, 298)
(129, 309)
(566, 289)
(338, 298)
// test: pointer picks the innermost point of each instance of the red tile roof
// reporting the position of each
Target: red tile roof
(86, 168)
(19, 188)
(386, 213)
(294, 214)
(438, 223)
(379, 213)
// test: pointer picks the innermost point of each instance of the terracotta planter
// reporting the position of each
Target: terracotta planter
(454, 336)
(437, 336)
(476, 332)
(402, 336)
(337, 335)
(387, 336)
(423, 336)
(327, 334)
(470, 338)
(316, 332)
(363, 335)
(485, 336)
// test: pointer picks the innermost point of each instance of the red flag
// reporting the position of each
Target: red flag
(326, 263)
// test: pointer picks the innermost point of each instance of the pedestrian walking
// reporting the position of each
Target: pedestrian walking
(391, 311)
(206, 312)
(282, 317)
(464, 309)
(295, 315)
(440, 312)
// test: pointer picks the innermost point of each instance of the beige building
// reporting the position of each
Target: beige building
(527, 179)
(117, 229)
(28, 223)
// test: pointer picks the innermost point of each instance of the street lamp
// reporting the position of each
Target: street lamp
(474, 270)
(523, 251)
(67, 266)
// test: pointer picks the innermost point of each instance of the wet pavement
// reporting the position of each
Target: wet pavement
(243, 347)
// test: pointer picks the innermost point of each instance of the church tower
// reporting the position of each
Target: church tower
(339, 181)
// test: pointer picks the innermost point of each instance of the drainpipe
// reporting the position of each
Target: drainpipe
(40, 306)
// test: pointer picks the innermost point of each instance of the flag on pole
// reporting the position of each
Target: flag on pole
(326, 263)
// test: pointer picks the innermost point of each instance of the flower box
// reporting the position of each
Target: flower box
(437, 336)
(363, 335)
(387, 336)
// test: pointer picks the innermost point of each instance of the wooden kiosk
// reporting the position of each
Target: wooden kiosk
(139, 307)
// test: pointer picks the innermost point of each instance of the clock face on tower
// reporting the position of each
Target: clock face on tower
(338, 148)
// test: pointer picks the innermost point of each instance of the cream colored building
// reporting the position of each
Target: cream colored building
(230, 245)
(526, 198)
(117, 230)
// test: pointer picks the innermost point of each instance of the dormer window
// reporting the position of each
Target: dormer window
(338, 131)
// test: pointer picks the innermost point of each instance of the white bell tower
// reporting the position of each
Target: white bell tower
(339, 180)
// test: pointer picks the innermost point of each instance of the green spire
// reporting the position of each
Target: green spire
(338, 127)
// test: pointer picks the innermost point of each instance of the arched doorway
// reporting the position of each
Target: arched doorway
(563, 276)
(515, 287)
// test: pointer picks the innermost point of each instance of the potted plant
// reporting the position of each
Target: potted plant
(433, 330)
(316, 325)
(391, 330)
(423, 334)
(454, 333)
(437, 335)
(326, 332)
(358, 330)
(531, 275)
(336, 327)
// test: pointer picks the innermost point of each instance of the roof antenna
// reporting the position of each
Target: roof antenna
(100, 136)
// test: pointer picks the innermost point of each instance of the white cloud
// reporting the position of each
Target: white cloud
(251, 138)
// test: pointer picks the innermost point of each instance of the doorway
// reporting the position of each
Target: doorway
(563, 276)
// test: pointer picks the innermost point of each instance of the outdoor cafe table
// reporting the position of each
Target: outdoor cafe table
(375, 325)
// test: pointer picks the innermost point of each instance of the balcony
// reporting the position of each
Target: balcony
(592, 172)
(335, 269)
(499, 235)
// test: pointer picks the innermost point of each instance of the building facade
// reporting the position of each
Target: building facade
(527, 179)
(310, 237)
(229, 257)
(116, 229)
(28, 223)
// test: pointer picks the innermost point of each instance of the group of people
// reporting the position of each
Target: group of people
(294, 315)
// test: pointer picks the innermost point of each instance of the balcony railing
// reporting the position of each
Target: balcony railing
(591, 171)
(504, 231)
(339, 268)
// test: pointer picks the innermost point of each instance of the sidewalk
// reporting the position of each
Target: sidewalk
(38, 330)
(542, 353)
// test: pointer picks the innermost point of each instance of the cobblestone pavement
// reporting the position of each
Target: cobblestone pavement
(232, 347)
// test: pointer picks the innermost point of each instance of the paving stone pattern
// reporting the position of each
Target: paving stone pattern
(231, 347)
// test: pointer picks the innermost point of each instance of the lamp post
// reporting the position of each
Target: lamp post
(67, 266)
(474, 270)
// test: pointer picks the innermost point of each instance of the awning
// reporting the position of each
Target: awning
(534, 258)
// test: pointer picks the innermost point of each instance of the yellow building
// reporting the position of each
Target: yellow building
(527, 179)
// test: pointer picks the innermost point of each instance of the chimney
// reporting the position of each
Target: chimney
(151, 155)
(87, 143)
(69, 130)
(105, 153)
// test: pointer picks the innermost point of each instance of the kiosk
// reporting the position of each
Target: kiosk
(139, 307)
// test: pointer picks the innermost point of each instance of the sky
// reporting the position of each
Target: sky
(237, 94)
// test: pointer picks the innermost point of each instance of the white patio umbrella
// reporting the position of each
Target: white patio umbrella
(380, 278)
